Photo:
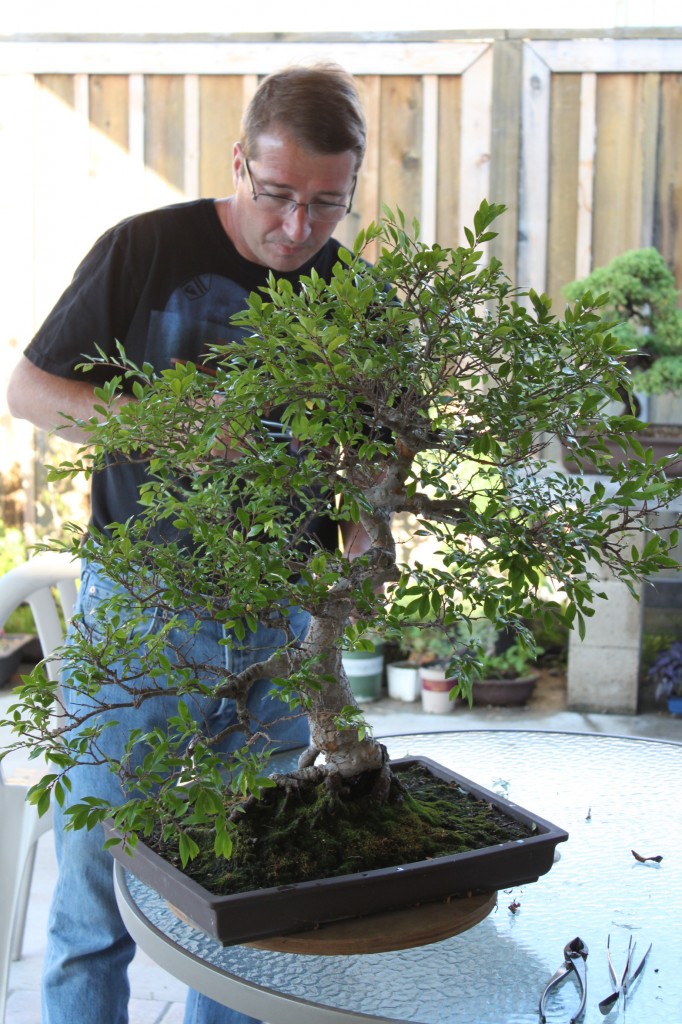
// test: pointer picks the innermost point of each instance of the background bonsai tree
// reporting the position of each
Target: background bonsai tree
(423, 386)
(643, 303)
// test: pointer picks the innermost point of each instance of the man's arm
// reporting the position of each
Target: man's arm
(46, 400)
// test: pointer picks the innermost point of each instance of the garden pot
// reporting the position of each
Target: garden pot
(436, 687)
(504, 692)
(675, 705)
(294, 908)
(365, 672)
(402, 678)
(12, 648)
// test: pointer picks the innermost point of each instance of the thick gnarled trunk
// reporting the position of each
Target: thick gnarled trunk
(344, 751)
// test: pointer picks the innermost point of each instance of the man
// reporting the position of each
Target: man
(164, 284)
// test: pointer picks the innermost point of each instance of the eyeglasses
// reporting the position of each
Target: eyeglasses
(329, 213)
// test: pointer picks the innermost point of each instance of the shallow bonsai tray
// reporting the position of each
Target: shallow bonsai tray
(286, 909)
(503, 692)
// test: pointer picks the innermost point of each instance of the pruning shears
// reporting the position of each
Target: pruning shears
(626, 979)
(575, 963)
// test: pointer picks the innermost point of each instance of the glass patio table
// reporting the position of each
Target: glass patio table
(613, 795)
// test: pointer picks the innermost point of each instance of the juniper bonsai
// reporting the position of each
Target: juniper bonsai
(424, 389)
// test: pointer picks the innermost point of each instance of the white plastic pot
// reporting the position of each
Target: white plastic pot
(403, 681)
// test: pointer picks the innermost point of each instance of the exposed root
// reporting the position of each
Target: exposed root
(308, 757)
(309, 775)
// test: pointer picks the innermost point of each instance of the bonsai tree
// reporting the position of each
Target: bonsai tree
(643, 299)
(425, 386)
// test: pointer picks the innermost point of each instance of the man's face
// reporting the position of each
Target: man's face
(285, 240)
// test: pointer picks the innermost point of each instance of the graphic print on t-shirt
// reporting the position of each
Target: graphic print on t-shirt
(196, 315)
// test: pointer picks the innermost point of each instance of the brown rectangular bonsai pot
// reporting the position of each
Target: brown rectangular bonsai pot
(281, 910)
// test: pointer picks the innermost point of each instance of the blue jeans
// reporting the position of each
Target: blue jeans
(88, 948)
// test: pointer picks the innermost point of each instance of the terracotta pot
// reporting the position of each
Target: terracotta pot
(504, 692)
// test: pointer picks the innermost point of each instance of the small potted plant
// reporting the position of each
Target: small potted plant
(418, 645)
(508, 677)
(666, 674)
(436, 647)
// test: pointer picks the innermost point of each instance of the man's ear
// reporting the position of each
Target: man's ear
(237, 162)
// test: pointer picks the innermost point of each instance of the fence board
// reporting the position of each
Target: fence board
(218, 58)
(618, 167)
(449, 146)
(651, 90)
(531, 268)
(474, 179)
(109, 99)
(400, 143)
(367, 200)
(630, 56)
(191, 128)
(164, 128)
(62, 185)
(60, 85)
(429, 152)
(220, 115)
(505, 145)
(668, 222)
(563, 177)
(136, 121)
(585, 186)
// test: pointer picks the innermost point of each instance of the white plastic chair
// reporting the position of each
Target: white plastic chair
(33, 583)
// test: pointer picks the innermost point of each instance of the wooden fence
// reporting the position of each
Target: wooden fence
(578, 136)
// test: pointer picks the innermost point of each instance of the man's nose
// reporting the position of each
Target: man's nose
(297, 224)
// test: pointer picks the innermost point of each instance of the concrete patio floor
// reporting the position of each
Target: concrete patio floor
(158, 998)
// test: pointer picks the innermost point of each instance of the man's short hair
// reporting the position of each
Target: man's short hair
(318, 106)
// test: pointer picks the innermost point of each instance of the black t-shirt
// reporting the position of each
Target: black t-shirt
(164, 284)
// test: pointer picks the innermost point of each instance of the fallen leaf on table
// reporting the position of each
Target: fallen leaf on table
(642, 860)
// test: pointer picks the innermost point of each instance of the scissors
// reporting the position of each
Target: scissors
(575, 962)
(626, 979)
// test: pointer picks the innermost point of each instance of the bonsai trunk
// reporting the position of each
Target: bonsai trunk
(345, 752)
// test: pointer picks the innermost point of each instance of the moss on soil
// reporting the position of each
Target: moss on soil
(305, 835)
